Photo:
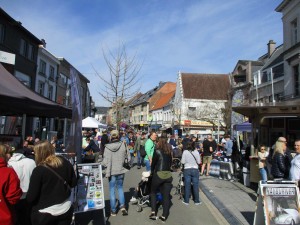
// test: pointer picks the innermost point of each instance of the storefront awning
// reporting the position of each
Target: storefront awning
(17, 99)
(246, 126)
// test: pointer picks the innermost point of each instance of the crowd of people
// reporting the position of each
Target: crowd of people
(280, 162)
(35, 185)
(36, 181)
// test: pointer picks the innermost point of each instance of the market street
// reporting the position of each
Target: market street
(180, 214)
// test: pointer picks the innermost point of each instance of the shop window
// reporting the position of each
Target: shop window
(278, 123)
(294, 124)
(278, 71)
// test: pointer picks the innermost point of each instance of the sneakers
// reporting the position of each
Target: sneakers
(133, 200)
(113, 214)
(124, 212)
(153, 216)
(163, 219)
(198, 203)
(185, 202)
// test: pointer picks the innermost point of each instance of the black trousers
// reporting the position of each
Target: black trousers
(23, 213)
(38, 218)
(164, 186)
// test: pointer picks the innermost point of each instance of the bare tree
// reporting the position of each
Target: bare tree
(122, 82)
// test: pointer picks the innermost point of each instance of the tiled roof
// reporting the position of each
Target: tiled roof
(166, 88)
(163, 100)
(205, 86)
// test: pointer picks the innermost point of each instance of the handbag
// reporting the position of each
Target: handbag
(126, 163)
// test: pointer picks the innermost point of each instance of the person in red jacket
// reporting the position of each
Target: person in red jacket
(10, 191)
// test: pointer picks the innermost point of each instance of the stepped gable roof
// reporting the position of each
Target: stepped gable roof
(205, 86)
(163, 100)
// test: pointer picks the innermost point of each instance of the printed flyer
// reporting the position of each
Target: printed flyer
(90, 194)
(281, 204)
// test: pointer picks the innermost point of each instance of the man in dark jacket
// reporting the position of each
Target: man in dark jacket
(104, 141)
(92, 148)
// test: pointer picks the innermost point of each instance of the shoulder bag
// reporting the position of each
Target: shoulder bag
(195, 160)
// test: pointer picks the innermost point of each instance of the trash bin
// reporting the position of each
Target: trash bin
(246, 176)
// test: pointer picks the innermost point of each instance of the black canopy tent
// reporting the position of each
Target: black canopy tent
(16, 99)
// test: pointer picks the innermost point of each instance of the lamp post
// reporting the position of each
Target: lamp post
(65, 121)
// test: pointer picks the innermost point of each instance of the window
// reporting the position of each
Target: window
(192, 109)
(297, 80)
(50, 92)
(51, 72)
(41, 88)
(25, 79)
(42, 68)
(63, 79)
(30, 52)
(2, 33)
(278, 71)
(294, 31)
(23, 47)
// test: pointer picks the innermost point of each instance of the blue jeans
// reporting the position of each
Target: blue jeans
(116, 181)
(191, 176)
(139, 159)
(264, 174)
(147, 164)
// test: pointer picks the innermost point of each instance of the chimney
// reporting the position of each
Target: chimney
(271, 47)
(44, 42)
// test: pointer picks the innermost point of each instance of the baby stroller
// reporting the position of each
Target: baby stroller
(179, 189)
(142, 193)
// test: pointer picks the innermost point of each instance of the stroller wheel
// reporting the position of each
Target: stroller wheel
(139, 208)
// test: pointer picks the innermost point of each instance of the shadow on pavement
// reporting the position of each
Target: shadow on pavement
(249, 216)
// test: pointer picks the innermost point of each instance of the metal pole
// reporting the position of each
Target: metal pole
(66, 120)
(273, 99)
(257, 77)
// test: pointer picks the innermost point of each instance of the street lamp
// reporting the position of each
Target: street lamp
(65, 121)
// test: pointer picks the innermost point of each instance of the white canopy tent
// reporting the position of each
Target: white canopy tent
(91, 122)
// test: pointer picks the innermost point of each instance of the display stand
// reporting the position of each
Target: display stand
(277, 203)
(90, 201)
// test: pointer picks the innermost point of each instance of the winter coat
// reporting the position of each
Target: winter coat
(295, 168)
(114, 156)
(46, 189)
(278, 169)
(10, 193)
(23, 166)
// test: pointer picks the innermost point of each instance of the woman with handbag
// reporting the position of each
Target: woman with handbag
(191, 160)
(50, 187)
(161, 177)
(115, 154)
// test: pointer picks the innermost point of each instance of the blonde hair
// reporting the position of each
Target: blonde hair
(45, 154)
(3, 151)
(279, 147)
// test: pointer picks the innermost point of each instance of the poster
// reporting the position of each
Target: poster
(90, 195)
(280, 203)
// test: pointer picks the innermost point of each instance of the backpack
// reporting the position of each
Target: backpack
(142, 151)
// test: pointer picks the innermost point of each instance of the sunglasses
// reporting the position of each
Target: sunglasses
(262, 149)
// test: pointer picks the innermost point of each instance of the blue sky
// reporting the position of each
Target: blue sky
(197, 36)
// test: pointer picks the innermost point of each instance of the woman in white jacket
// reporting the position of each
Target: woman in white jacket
(23, 167)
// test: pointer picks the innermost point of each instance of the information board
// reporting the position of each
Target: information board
(277, 203)
(90, 194)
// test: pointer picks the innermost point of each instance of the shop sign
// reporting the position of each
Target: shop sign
(7, 57)
(187, 122)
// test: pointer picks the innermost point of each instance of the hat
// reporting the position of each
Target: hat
(114, 133)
